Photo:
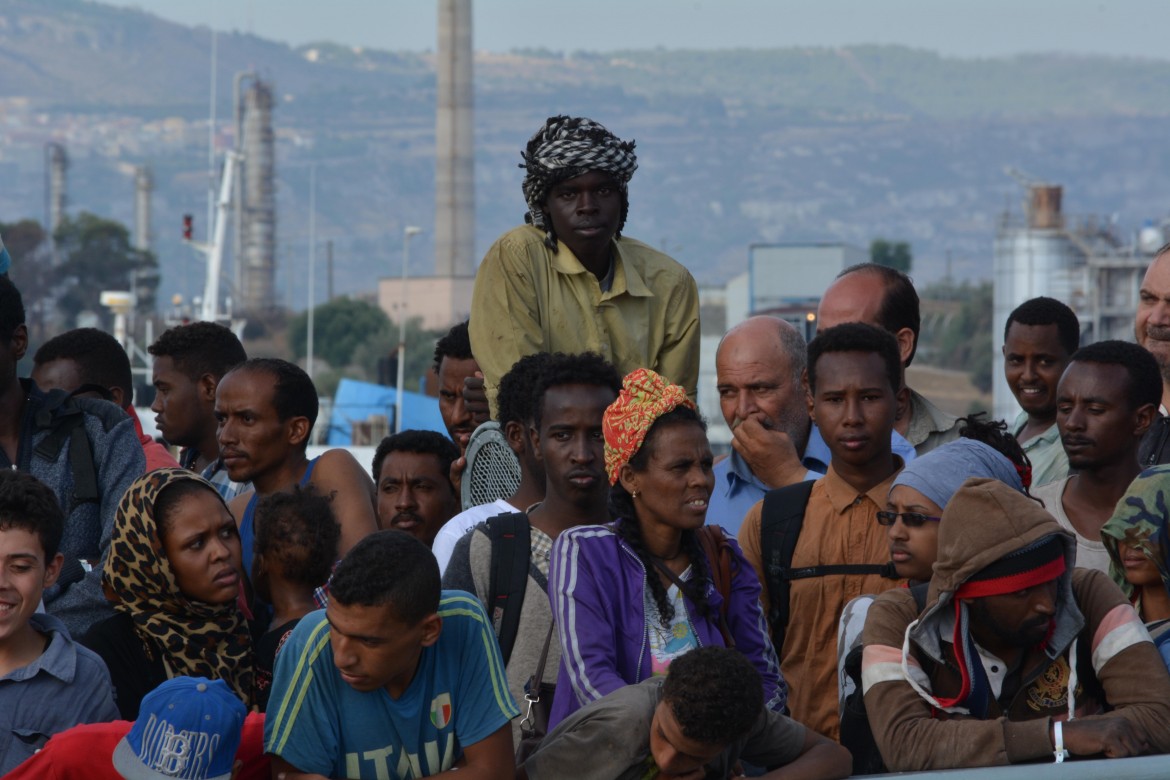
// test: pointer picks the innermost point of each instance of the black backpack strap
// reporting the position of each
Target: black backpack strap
(511, 542)
(66, 422)
(780, 522)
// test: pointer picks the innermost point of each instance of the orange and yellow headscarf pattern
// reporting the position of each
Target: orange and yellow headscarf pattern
(645, 396)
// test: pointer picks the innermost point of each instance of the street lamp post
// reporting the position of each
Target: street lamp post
(312, 266)
(408, 232)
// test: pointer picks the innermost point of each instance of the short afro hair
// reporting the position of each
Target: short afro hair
(1145, 378)
(389, 567)
(715, 693)
(11, 308)
(200, 348)
(293, 395)
(516, 400)
(856, 337)
(900, 305)
(585, 368)
(99, 357)
(298, 529)
(456, 344)
(419, 442)
(30, 505)
(1048, 311)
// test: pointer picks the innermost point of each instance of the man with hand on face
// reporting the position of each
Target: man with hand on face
(1039, 339)
(1016, 656)
(568, 281)
(1105, 403)
(759, 374)
(415, 493)
(266, 410)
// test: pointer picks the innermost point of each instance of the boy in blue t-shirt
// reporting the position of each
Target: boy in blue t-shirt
(395, 679)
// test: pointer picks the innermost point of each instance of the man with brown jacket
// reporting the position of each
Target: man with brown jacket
(1016, 656)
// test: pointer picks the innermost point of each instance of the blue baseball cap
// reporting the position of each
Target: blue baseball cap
(187, 728)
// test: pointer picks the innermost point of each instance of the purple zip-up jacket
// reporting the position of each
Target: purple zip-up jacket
(595, 586)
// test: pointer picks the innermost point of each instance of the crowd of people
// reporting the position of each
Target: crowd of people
(865, 583)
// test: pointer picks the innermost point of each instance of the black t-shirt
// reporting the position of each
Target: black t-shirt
(266, 648)
(133, 673)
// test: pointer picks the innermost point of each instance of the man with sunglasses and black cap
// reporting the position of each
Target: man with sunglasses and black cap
(1015, 657)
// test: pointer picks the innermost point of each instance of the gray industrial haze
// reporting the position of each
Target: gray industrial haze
(454, 143)
(257, 261)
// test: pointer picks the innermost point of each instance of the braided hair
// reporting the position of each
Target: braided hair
(629, 529)
(995, 434)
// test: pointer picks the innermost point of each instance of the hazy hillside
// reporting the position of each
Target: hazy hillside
(735, 147)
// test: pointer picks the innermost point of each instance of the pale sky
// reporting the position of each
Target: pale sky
(965, 28)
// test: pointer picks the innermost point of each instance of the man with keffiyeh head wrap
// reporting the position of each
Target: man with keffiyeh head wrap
(569, 281)
(1016, 656)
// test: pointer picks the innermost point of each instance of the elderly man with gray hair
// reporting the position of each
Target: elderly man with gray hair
(569, 281)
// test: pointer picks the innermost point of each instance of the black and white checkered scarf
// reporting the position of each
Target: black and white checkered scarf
(567, 147)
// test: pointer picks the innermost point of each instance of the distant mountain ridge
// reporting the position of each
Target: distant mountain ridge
(735, 147)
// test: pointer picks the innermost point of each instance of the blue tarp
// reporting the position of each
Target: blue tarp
(356, 401)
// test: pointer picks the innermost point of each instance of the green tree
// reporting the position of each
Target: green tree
(420, 352)
(96, 255)
(339, 327)
(31, 271)
(965, 342)
(894, 254)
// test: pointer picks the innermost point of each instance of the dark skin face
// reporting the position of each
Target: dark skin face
(585, 212)
(414, 495)
(373, 648)
(452, 406)
(202, 545)
(570, 444)
(183, 407)
(253, 440)
(1033, 360)
(1097, 426)
(855, 407)
(1010, 624)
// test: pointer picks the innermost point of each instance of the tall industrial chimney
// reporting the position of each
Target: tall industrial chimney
(143, 188)
(454, 144)
(258, 272)
(58, 164)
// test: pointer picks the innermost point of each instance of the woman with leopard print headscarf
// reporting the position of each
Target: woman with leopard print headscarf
(174, 576)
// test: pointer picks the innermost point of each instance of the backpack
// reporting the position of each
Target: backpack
(781, 521)
(856, 734)
(64, 418)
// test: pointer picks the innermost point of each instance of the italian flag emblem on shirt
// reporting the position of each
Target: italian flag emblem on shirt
(441, 710)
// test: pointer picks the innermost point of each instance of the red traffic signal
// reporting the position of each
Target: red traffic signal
(188, 226)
